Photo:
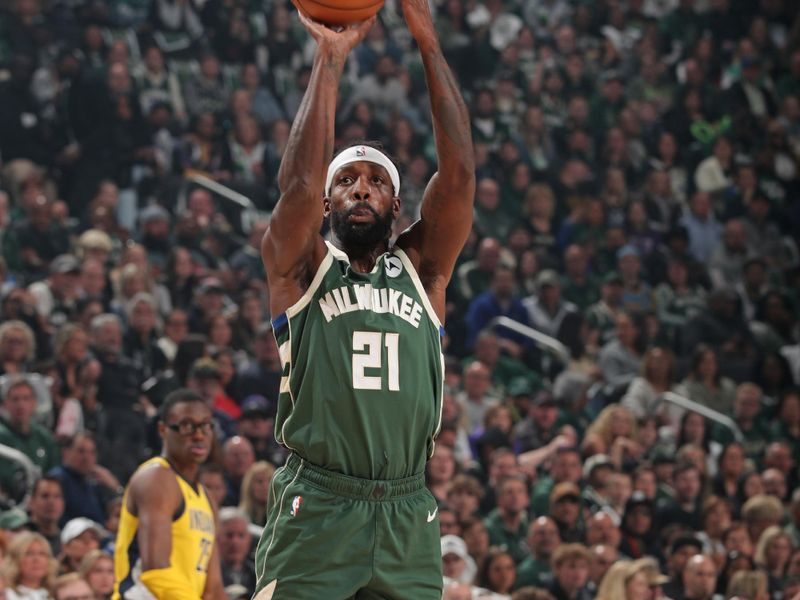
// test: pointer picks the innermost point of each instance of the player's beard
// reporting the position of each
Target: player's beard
(362, 234)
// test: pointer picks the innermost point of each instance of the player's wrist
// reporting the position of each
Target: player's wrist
(332, 54)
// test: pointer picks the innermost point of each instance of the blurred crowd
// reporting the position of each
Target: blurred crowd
(637, 208)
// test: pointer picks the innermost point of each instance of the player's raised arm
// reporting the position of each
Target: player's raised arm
(447, 203)
(292, 242)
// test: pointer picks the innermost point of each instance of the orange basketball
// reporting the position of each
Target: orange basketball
(339, 12)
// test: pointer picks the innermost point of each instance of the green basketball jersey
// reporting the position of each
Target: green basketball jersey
(362, 369)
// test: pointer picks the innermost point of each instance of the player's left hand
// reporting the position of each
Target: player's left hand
(420, 22)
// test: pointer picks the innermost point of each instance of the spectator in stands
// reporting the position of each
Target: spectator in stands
(601, 529)
(773, 551)
(748, 584)
(79, 537)
(97, 568)
(42, 238)
(539, 427)
(262, 374)
(156, 234)
(614, 434)
(237, 458)
(86, 485)
(476, 397)
(793, 527)
(464, 496)
(207, 91)
(46, 507)
(566, 466)
(57, 294)
(234, 549)
(497, 572)
(685, 507)
(439, 471)
(570, 563)
(601, 317)
(699, 578)
(139, 343)
(19, 430)
(499, 300)
(543, 539)
(205, 378)
(255, 491)
(565, 509)
(508, 523)
(29, 568)
(457, 564)
(746, 414)
(703, 228)
(728, 258)
(548, 311)
(72, 586)
(638, 528)
(643, 396)
(620, 359)
(636, 293)
(176, 327)
(474, 277)
(213, 479)
(17, 347)
(759, 513)
(579, 285)
(677, 300)
(680, 550)
(119, 393)
(705, 385)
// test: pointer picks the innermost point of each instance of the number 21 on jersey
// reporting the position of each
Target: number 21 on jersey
(368, 355)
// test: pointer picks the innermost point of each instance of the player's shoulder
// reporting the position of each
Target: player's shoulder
(153, 475)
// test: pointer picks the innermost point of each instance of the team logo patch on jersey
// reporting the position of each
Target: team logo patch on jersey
(394, 266)
(296, 502)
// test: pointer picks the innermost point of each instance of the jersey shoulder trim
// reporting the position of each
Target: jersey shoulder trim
(426, 302)
(309, 293)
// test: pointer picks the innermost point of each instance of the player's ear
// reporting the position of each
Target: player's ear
(162, 429)
(396, 204)
(326, 206)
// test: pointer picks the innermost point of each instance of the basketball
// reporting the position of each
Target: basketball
(338, 12)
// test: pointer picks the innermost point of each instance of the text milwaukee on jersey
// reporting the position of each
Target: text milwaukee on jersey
(364, 297)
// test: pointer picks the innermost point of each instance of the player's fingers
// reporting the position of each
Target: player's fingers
(365, 26)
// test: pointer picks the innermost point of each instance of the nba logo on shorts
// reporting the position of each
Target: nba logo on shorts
(361, 151)
(296, 502)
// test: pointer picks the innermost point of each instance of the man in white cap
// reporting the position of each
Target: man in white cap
(358, 321)
(79, 537)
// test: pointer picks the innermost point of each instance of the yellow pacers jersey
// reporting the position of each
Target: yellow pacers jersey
(192, 542)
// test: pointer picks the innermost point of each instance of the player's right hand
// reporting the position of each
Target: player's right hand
(341, 39)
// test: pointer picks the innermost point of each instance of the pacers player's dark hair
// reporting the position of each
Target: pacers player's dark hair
(177, 397)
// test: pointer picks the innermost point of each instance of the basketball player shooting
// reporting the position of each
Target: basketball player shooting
(359, 322)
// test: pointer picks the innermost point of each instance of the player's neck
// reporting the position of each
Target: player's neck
(362, 258)
(188, 472)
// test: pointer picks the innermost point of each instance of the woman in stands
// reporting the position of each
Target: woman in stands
(29, 568)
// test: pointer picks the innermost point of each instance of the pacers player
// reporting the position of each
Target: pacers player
(358, 324)
(165, 544)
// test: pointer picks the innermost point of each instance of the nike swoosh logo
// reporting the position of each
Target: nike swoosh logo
(432, 515)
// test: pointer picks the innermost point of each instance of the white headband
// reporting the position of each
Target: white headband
(358, 154)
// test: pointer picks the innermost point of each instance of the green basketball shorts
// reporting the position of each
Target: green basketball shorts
(337, 537)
